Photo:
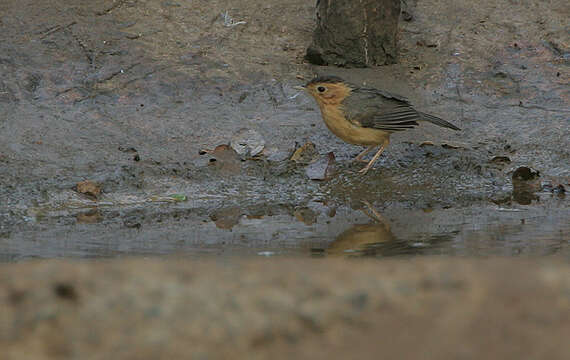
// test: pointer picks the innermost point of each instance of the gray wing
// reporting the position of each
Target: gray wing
(380, 110)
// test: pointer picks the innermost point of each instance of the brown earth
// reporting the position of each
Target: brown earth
(429, 308)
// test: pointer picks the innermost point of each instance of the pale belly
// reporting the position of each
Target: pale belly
(351, 133)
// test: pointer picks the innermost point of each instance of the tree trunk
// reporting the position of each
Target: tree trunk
(356, 33)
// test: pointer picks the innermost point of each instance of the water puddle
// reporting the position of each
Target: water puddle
(313, 230)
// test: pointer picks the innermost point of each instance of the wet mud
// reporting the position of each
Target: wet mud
(127, 94)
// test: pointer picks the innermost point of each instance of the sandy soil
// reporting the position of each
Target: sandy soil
(258, 309)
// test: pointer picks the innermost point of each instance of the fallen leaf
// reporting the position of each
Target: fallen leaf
(89, 188)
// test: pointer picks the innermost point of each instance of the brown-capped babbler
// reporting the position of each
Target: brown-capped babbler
(365, 116)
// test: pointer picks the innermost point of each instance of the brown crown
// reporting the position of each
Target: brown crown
(327, 79)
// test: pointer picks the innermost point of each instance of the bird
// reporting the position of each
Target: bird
(360, 239)
(365, 116)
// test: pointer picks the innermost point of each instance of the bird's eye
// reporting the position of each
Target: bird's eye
(321, 89)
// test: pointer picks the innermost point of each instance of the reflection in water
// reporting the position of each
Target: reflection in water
(524, 192)
(373, 239)
(527, 184)
(226, 218)
(376, 239)
(359, 238)
(306, 216)
(286, 229)
(90, 217)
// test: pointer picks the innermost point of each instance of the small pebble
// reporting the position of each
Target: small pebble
(525, 173)
(247, 143)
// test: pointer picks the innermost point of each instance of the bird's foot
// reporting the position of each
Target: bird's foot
(364, 170)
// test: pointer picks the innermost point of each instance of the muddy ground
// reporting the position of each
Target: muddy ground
(126, 93)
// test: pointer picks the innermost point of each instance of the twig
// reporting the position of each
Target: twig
(229, 22)
(56, 28)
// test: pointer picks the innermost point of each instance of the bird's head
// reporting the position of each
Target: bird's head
(328, 90)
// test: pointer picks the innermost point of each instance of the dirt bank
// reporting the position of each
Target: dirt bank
(258, 309)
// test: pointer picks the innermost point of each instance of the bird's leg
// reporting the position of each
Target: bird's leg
(375, 214)
(362, 154)
(376, 156)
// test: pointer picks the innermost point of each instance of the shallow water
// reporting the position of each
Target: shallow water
(311, 231)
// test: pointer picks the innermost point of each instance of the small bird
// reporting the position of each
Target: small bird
(365, 116)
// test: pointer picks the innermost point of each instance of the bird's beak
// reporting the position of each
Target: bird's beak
(300, 87)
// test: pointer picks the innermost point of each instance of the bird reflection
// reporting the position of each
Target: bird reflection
(363, 239)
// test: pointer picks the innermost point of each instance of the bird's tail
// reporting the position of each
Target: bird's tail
(440, 122)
